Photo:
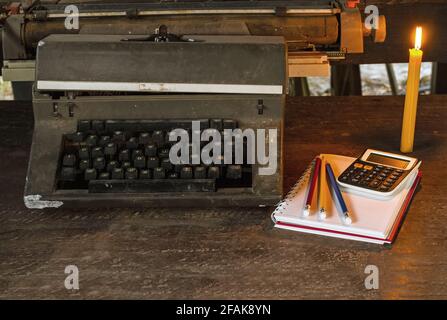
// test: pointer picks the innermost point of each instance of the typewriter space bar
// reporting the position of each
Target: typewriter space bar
(152, 186)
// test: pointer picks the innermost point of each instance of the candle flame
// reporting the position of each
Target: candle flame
(418, 38)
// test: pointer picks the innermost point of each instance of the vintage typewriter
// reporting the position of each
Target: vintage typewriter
(104, 107)
(107, 95)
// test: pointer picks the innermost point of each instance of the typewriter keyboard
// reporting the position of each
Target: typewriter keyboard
(131, 156)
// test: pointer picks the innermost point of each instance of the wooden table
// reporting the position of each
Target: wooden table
(231, 253)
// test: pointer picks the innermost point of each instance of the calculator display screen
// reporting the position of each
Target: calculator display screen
(388, 161)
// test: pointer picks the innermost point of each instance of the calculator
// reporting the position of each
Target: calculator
(378, 173)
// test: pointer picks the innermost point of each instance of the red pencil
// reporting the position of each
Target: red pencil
(312, 187)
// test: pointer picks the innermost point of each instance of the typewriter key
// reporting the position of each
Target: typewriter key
(145, 174)
(216, 124)
(91, 140)
(153, 162)
(77, 136)
(186, 173)
(164, 153)
(118, 173)
(84, 153)
(90, 174)
(84, 125)
(68, 174)
(229, 124)
(158, 137)
(110, 149)
(124, 155)
(104, 140)
(150, 150)
(99, 163)
(131, 173)
(159, 173)
(132, 143)
(112, 165)
(140, 162)
(98, 125)
(234, 172)
(97, 152)
(199, 173)
(119, 136)
(166, 164)
(137, 153)
(69, 160)
(144, 138)
(104, 176)
(84, 164)
(173, 175)
(213, 172)
(126, 164)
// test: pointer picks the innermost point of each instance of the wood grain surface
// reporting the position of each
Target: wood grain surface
(231, 253)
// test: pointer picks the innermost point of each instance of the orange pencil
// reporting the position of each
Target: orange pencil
(322, 190)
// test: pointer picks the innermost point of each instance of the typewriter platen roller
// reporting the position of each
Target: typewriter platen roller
(104, 106)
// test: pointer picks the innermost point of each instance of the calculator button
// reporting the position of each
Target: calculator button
(379, 166)
(368, 168)
(394, 177)
(344, 178)
(358, 165)
(380, 178)
(374, 184)
(383, 175)
(357, 177)
(389, 180)
(387, 184)
(399, 171)
(384, 188)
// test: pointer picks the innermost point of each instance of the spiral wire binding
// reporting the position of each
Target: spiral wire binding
(296, 187)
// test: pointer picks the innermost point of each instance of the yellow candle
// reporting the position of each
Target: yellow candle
(412, 94)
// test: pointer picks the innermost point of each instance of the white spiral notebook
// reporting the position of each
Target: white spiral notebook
(373, 220)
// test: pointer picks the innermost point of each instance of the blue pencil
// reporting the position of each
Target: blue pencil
(333, 182)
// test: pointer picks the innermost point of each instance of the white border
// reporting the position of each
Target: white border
(158, 87)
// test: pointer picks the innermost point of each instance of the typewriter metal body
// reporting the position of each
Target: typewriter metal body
(107, 94)
(136, 87)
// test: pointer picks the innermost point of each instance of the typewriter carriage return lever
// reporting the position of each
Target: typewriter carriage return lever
(161, 34)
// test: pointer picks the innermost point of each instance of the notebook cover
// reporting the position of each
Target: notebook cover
(394, 232)
(328, 233)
